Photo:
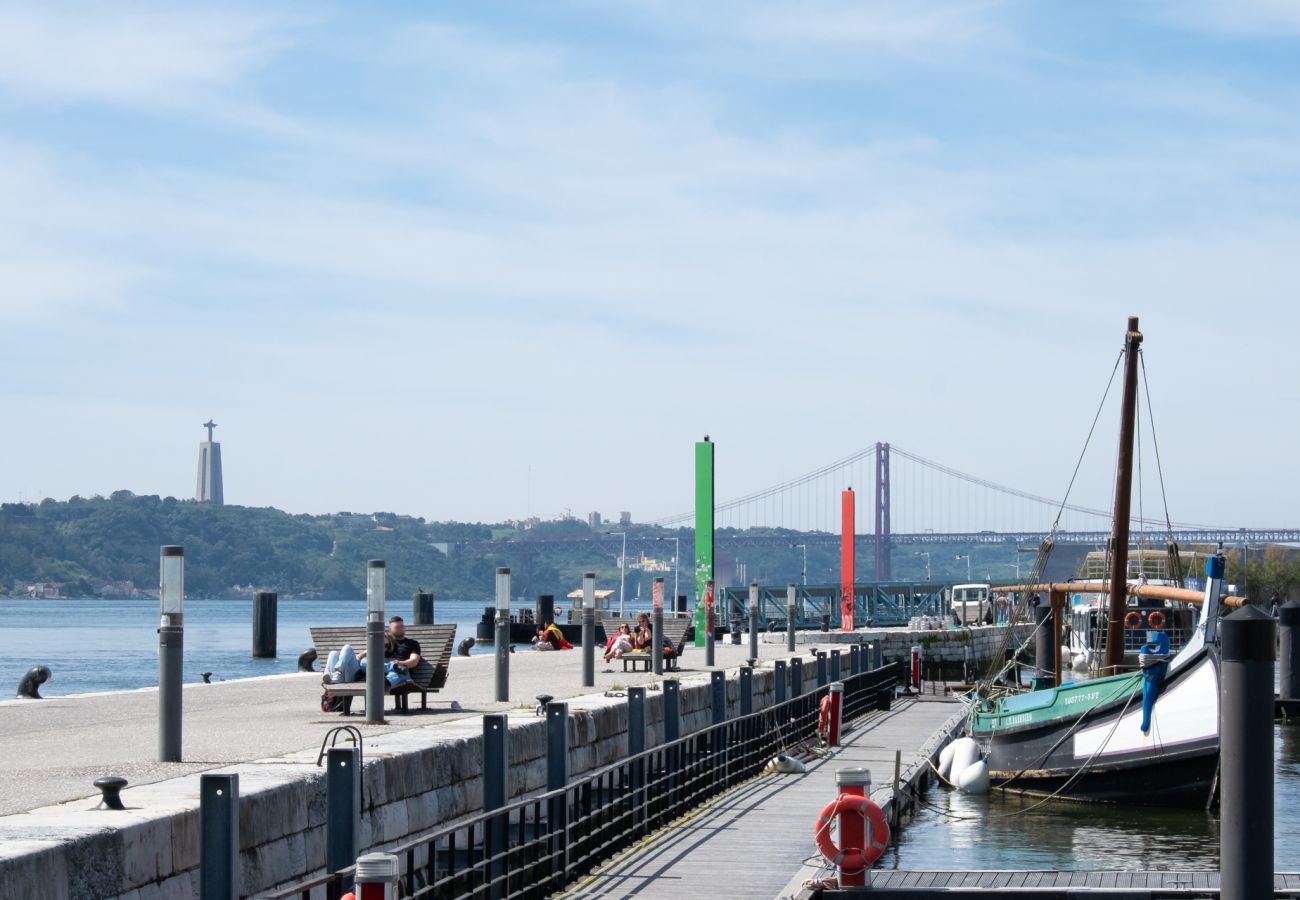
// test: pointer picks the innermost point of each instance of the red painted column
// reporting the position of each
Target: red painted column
(846, 560)
(853, 831)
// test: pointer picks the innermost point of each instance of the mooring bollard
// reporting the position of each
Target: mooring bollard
(377, 876)
(544, 608)
(746, 690)
(1288, 617)
(796, 677)
(1246, 754)
(823, 678)
(672, 710)
(422, 608)
(307, 660)
(218, 837)
(342, 807)
(778, 681)
(171, 652)
(589, 629)
(376, 596)
(503, 635)
(826, 621)
(264, 624)
(834, 712)
(853, 781)
(110, 789)
(29, 686)
(791, 615)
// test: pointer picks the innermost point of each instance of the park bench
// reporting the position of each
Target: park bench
(430, 675)
(675, 628)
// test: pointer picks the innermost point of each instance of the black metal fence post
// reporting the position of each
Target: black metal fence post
(218, 837)
(342, 807)
(796, 677)
(746, 690)
(495, 758)
(718, 684)
(778, 681)
(1288, 618)
(557, 778)
(835, 665)
(1246, 754)
(264, 624)
(672, 710)
(855, 659)
(822, 679)
(635, 747)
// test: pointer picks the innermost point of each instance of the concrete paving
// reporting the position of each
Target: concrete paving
(55, 748)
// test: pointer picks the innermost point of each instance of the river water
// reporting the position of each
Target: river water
(1000, 831)
(101, 644)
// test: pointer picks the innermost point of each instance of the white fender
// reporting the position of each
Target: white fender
(945, 762)
(965, 752)
(974, 779)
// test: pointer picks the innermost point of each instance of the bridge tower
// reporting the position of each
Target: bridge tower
(208, 489)
(883, 543)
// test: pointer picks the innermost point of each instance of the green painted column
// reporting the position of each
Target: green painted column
(703, 531)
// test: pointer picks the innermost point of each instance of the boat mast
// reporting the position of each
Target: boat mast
(1123, 502)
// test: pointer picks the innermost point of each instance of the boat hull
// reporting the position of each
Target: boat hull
(1102, 754)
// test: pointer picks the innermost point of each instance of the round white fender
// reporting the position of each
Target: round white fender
(945, 762)
(965, 752)
(974, 779)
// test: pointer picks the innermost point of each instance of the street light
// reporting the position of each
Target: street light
(803, 574)
(622, 560)
(965, 556)
(677, 555)
(927, 563)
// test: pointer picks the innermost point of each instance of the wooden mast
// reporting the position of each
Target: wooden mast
(1123, 502)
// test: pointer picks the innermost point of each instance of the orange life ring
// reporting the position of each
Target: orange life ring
(1156, 619)
(1132, 619)
(824, 715)
(852, 860)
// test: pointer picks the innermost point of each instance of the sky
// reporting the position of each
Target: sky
(482, 261)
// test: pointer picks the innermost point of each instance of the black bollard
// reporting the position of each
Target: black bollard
(307, 660)
(264, 624)
(1246, 755)
(826, 621)
(462, 649)
(588, 647)
(544, 609)
(29, 687)
(110, 788)
(1043, 660)
(1288, 617)
(422, 608)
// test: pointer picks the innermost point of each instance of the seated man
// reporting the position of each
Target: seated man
(401, 654)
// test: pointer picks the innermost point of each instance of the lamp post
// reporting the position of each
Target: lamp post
(804, 573)
(677, 555)
(171, 656)
(622, 560)
(927, 564)
(376, 593)
(965, 556)
(503, 635)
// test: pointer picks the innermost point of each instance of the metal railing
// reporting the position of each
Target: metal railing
(535, 846)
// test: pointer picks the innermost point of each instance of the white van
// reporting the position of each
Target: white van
(970, 603)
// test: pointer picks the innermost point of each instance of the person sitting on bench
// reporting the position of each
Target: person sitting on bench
(620, 643)
(644, 636)
(401, 654)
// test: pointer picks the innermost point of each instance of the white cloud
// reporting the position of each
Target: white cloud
(1244, 18)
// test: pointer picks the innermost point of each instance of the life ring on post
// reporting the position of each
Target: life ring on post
(1132, 619)
(1156, 619)
(824, 715)
(852, 860)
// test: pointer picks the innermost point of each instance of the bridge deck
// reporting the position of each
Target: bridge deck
(749, 842)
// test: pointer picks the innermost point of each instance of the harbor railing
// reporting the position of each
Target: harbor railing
(535, 846)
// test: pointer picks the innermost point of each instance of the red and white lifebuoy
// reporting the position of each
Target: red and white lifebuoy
(1156, 619)
(852, 860)
(1133, 619)
(824, 715)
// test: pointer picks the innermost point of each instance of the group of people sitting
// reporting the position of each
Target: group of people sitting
(401, 655)
(627, 639)
(550, 637)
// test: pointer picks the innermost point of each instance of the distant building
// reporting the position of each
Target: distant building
(625, 518)
(593, 519)
(209, 489)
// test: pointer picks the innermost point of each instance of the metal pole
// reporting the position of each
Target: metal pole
(218, 837)
(589, 630)
(1288, 617)
(822, 675)
(753, 620)
(709, 629)
(495, 756)
(835, 665)
(1246, 756)
(342, 807)
(422, 608)
(1043, 641)
(796, 677)
(622, 563)
(778, 679)
(171, 652)
(376, 590)
(503, 635)
(657, 649)
(672, 710)
(855, 659)
(746, 690)
(791, 612)
(264, 624)
(836, 693)
(557, 777)
(718, 683)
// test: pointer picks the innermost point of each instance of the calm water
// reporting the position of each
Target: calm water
(112, 644)
(999, 831)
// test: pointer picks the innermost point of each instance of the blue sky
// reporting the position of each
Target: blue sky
(478, 260)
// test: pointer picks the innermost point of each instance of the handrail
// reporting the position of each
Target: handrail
(535, 845)
(1151, 591)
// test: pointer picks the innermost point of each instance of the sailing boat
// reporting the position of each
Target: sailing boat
(1129, 737)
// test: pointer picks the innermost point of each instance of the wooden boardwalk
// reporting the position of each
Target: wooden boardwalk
(750, 842)
(1285, 883)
